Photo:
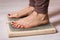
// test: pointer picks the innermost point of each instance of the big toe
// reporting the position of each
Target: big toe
(13, 22)
(10, 15)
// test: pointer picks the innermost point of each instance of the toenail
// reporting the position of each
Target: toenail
(13, 23)
(9, 14)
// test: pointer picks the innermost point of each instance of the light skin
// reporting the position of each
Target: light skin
(34, 19)
(21, 13)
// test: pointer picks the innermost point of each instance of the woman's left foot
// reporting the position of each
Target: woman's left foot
(32, 20)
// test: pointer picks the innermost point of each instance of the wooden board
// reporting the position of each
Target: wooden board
(43, 29)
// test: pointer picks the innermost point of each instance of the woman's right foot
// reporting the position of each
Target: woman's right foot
(21, 13)
(32, 20)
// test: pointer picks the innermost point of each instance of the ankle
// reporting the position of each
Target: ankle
(44, 16)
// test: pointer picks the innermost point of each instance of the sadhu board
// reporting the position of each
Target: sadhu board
(38, 30)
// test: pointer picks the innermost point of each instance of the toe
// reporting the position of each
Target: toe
(9, 14)
(13, 22)
(18, 26)
(13, 26)
(22, 26)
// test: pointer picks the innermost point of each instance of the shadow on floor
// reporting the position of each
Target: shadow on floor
(56, 23)
(55, 13)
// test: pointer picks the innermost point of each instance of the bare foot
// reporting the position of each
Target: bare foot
(21, 13)
(32, 20)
